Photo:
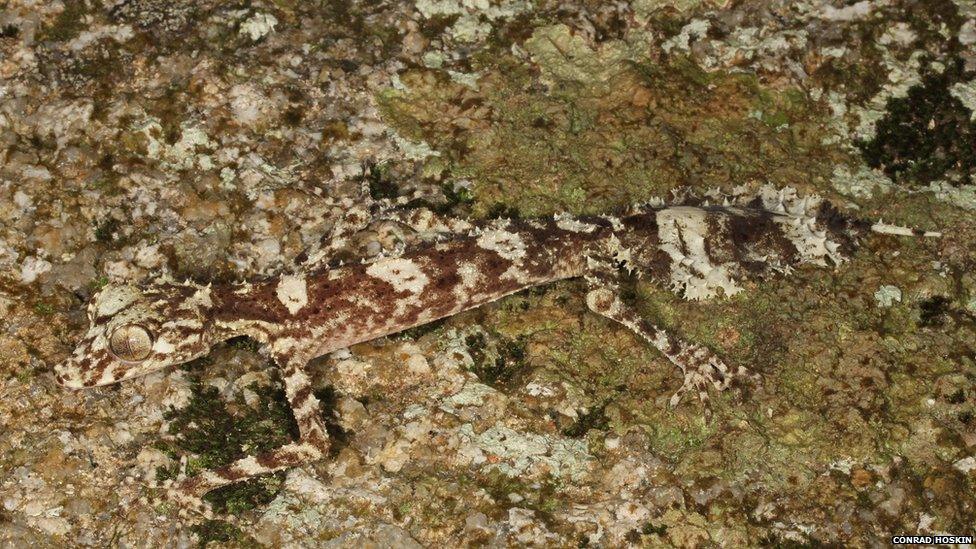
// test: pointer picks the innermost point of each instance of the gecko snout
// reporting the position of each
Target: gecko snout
(68, 375)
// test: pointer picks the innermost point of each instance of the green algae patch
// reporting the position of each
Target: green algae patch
(68, 24)
(215, 433)
(572, 126)
(218, 531)
(928, 135)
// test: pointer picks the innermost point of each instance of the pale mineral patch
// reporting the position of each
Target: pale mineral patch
(965, 92)
(966, 464)
(249, 105)
(862, 183)
(963, 196)
(413, 150)
(852, 12)
(696, 29)
(887, 295)
(525, 453)
(33, 267)
(259, 25)
(472, 394)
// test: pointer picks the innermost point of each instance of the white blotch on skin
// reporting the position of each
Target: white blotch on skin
(250, 466)
(470, 277)
(508, 245)
(200, 298)
(799, 223)
(111, 374)
(293, 293)
(683, 231)
(517, 274)
(163, 346)
(811, 243)
(243, 289)
(115, 298)
(403, 274)
(285, 346)
(614, 222)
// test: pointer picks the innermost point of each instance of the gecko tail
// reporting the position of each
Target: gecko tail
(883, 228)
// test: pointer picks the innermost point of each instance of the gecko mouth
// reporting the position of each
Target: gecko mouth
(86, 368)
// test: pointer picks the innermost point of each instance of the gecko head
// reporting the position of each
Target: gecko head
(135, 331)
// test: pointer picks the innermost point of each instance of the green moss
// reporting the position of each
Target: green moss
(654, 529)
(418, 332)
(595, 418)
(676, 439)
(381, 183)
(214, 435)
(457, 198)
(544, 498)
(927, 135)
(105, 231)
(245, 343)
(338, 437)
(499, 210)
(244, 496)
(68, 24)
(218, 531)
(292, 116)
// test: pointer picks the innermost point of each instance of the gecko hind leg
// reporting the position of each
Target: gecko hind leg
(312, 445)
(699, 365)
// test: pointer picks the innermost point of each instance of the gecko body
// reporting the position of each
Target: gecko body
(700, 249)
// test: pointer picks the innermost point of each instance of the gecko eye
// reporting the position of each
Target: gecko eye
(131, 342)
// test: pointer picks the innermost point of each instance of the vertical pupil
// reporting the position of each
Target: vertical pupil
(131, 343)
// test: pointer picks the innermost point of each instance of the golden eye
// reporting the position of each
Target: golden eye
(131, 342)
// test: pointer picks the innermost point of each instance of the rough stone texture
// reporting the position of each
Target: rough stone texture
(211, 141)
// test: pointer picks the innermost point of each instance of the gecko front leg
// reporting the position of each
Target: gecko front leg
(312, 444)
(699, 365)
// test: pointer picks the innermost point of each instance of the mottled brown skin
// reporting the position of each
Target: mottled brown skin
(349, 293)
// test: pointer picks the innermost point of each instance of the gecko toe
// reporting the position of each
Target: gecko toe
(707, 369)
(189, 503)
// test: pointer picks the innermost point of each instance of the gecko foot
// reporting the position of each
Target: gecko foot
(188, 493)
(703, 368)
(180, 493)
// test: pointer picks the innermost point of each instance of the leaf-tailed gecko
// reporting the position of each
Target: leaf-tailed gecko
(697, 248)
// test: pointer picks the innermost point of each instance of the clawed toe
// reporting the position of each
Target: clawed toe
(702, 369)
(182, 494)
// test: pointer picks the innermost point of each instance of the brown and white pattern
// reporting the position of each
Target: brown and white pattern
(699, 248)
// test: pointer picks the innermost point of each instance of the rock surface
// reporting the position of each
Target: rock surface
(212, 141)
